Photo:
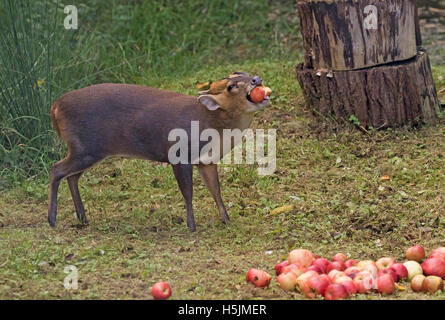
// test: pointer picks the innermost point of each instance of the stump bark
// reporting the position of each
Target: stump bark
(362, 59)
(391, 95)
(356, 34)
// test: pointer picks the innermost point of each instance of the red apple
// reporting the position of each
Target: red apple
(401, 271)
(161, 291)
(335, 291)
(417, 282)
(384, 263)
(432, 284)
(413, 268)
(287, 281)
(385, 284)
(437, 254)
(302, 280)
(415, 253)
(294, 267)
(335, 273)
(350, 263)
(302, 256)
(314, 268)
(336, 265)
(434, 267)
(372, 269)
(279, 267)
(349, 286)
(352, 271)
(364, 282)
(340, 257)
(322, 263)
(365, 263)
(259, 278)
(316, 285)
(257, 94)
(389, 271)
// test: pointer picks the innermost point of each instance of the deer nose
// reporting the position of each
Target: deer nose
(256, 81)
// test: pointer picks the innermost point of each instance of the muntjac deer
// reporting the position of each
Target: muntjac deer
(134, 121)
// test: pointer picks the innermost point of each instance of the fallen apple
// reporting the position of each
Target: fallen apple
(415, 253)
(350, 263)
(385, 284)
(384, 263)
(389, 271)
(302, 256)
(316, 285)
(417, 282)
(321, 263)
(437, 254)
(302, 280)
(349, 286)
(413, 268)
(294, 267)
(161, 291)
(364, 282)
(401, 271)
(335, 291)
(434, 267)
(287, 281)
(352, 272)
(432, 284)
(336, 265)
(340, 257)
(258, 278)
(279, 267)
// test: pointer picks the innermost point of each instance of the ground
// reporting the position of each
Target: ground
(327, 169)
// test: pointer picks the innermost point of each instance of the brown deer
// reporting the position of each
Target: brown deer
(134, 121)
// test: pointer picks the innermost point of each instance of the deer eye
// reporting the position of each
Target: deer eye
(230, 87)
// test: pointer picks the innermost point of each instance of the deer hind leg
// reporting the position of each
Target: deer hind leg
(71, 165)
(209, 174)
(184, 176)
(73, 183)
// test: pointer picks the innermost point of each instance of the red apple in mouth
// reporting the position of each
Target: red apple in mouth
(161, 291)
(432, 284)
(415, 253)
(384, 263)
(434, 267)
(258, 278)
(257, 94)
(417, 283)
(302, 256)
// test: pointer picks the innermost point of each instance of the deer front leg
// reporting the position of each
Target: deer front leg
(209, 174)
(184, 176)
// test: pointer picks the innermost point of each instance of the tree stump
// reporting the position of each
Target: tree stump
(351, 34)
(361, 59)
(390, 95)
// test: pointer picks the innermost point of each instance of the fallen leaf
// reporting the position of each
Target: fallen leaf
(399, 287)
(385, 178)
(282, 209)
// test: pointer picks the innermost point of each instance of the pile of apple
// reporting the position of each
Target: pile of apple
(340, 278)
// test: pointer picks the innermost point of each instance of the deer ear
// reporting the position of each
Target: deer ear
(209, 102)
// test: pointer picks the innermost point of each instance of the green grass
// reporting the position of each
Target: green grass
(137, 214)
(330, 172)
